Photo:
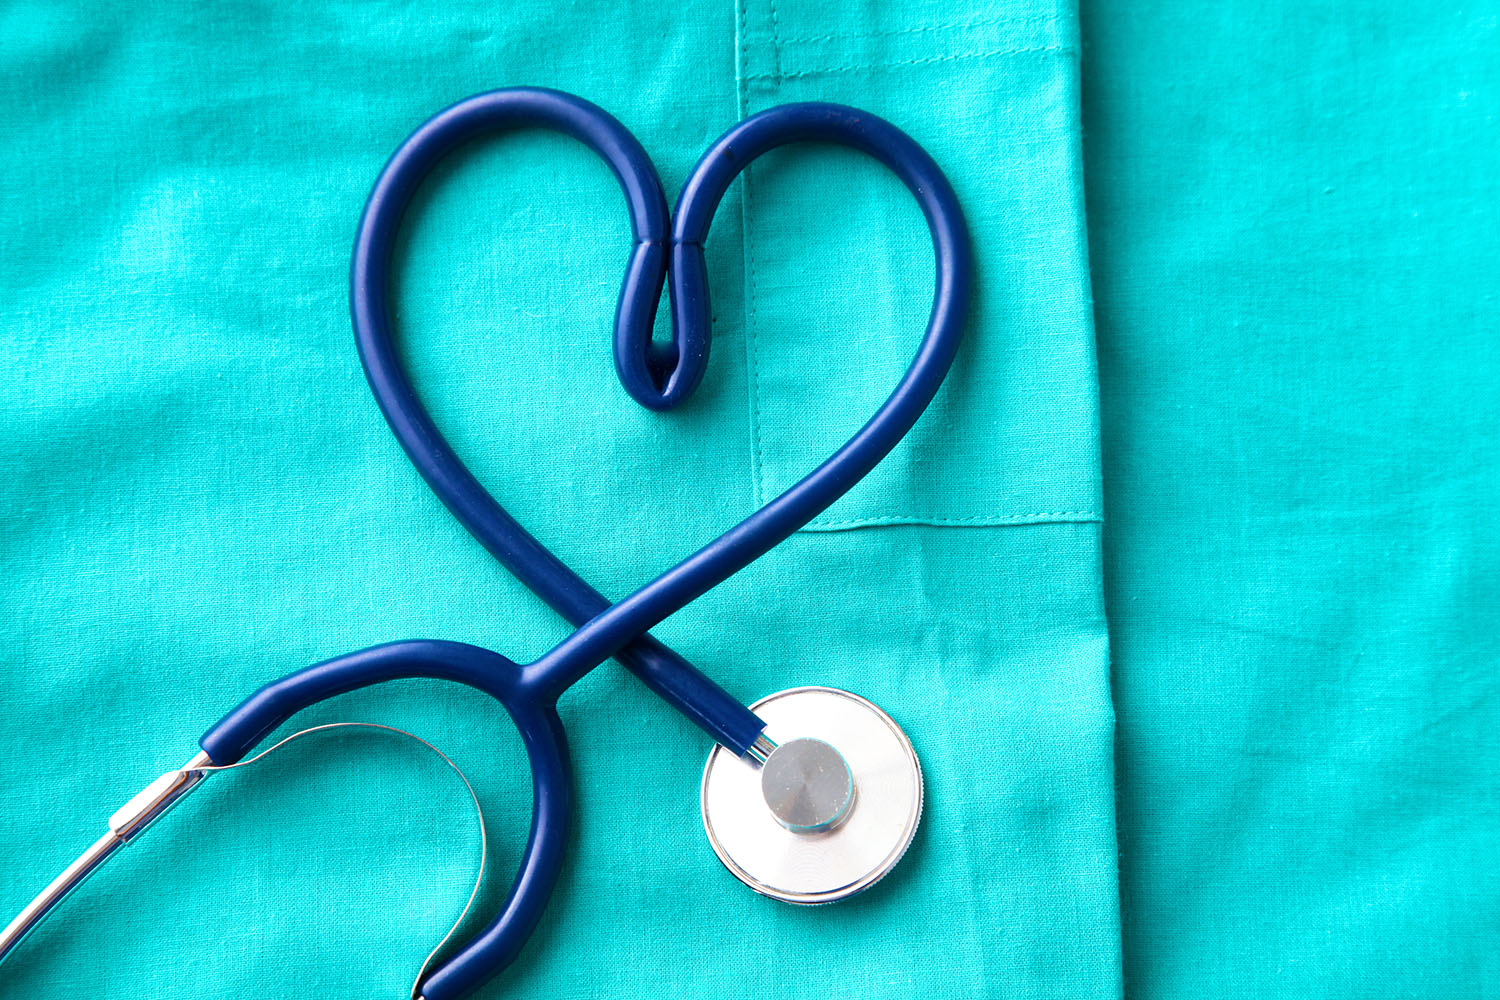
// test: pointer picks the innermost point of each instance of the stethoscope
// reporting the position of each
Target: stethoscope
(812, 794)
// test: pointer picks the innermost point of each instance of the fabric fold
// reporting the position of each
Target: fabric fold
(200, 494)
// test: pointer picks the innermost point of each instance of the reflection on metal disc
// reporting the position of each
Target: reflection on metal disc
(832, 815)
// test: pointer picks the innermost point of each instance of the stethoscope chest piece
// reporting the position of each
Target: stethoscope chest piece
(830, 811)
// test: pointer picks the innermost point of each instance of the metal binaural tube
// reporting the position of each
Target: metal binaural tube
(71, 878)
(145, 808)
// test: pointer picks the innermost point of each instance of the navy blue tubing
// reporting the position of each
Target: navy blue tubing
(541, 731)
(720, 714)
(530, 693)
(747, 541)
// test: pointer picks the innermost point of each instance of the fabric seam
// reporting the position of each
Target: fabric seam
(930, 60)
(744, 79)
(985, 521)
(775, 40)
(752, 380)
(1032, 19)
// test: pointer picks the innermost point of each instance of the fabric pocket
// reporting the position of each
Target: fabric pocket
(838, 263)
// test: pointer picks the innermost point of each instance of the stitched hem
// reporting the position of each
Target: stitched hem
(1023, 20)
(752, 378)
(860, 67)
(986, 521)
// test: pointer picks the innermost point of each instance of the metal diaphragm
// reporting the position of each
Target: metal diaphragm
(794, 834)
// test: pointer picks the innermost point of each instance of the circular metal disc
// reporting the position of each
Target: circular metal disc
(808, 785)
(826, 866)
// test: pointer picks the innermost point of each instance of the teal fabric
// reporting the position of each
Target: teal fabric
(1260, 535)
(201, 496)
(1292, 218)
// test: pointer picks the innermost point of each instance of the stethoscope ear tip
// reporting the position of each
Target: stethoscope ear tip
(824, 813)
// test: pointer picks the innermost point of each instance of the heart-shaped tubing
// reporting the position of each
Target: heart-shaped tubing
(721, 715)
(747, 541)
(530, 693)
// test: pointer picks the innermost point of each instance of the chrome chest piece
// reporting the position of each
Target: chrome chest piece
(833, 806)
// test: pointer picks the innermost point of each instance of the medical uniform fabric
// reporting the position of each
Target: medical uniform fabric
(1257, 533)
(200, 494)
(1293, 231)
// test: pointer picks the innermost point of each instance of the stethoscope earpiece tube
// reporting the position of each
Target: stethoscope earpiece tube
(535, 718)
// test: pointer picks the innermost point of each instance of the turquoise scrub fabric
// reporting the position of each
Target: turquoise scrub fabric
(1293, 226)
(199, 494)
(1290, 236)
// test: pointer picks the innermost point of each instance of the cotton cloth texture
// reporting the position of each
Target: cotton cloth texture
(201, 495)
(1271, 224)
(1293, 228)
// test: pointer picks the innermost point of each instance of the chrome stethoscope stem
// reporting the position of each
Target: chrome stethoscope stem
(760, 750)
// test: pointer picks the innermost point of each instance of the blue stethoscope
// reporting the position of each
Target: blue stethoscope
(840, 783)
